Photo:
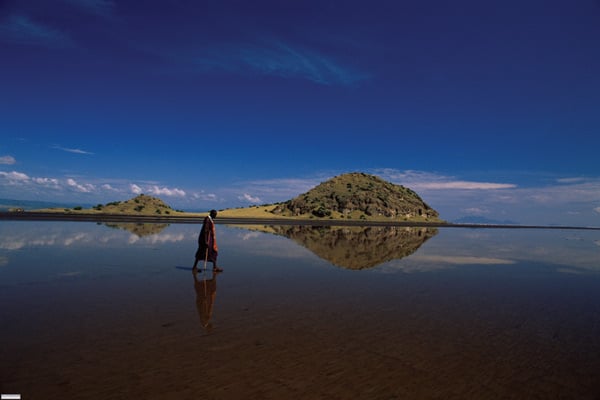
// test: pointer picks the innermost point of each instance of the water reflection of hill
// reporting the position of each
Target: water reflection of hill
(355, 247)
(138, 229)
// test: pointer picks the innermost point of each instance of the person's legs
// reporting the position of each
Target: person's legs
(215, 268)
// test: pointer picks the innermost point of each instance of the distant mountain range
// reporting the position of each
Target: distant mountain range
(472, 219)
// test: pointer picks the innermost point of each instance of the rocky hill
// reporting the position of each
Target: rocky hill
(358, 196)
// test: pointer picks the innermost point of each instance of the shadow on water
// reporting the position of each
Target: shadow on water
(139, 229)
(354, 247)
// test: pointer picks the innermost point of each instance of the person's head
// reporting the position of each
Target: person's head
(213, 213)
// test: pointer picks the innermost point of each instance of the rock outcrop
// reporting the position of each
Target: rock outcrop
(359, 195)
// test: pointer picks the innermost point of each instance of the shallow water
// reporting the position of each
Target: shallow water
(90, 311)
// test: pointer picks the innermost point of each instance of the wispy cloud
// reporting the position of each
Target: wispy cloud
(585, 191)
(420, 180)
(71, 150)
(280, 59)
(7, 160)
(21, 29)
(103, 8)
(464, 185)
(570, 180)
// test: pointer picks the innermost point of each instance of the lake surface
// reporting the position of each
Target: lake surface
(91, 311)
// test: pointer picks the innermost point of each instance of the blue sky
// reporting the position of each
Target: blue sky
(484, 108)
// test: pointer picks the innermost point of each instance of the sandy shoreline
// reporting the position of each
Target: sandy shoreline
(197, 219)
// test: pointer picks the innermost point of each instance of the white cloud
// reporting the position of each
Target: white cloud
(597, 209)
(48, 182)
(155, 190)
(251, 199)
(7, 160)
(205, 196)
(14, 177)
(83, 188)
(106, 186)
(135, 189)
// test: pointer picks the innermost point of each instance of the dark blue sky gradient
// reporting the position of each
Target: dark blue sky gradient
(229, 101)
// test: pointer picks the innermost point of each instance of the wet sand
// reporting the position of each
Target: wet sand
(445, 337)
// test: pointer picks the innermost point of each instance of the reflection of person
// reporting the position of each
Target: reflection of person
(206, 291)
(207, 242)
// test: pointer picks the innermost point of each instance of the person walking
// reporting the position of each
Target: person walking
(207, 243)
